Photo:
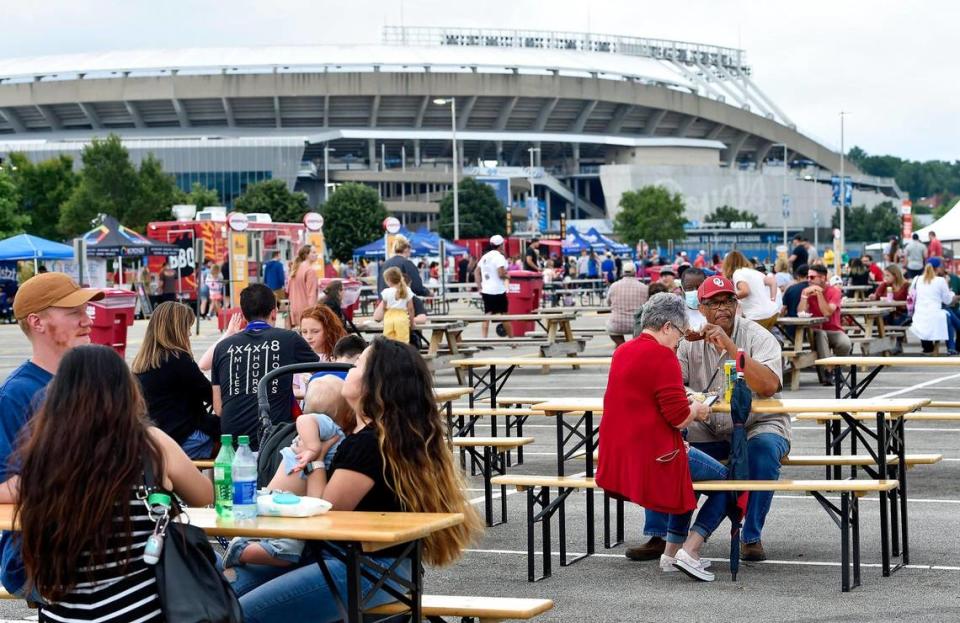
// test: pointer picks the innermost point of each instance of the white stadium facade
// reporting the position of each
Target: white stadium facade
(596, 115)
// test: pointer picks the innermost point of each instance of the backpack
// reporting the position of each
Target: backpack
(269, 459)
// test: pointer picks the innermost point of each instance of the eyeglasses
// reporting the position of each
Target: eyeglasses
(717, 303)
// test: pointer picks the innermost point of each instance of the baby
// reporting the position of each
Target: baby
(314, 428)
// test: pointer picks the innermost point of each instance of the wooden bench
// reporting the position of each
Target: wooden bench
(943, 404)
(796, 361)
(481, 609)
(491, 452)
(915, 416)
(846, 515)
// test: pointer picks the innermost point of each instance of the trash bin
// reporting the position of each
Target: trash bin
(523, 297)
(111, 316)
(224, 316)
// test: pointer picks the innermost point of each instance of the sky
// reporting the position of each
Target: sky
(890, 65)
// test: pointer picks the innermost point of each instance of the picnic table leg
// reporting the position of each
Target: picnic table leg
(901, 449)
(568, 336)
(436, 337)
(855, 520)
(588, 445)
(472, 383)
(354, 611)
(487, 487)
(845, 542)
(884, 497)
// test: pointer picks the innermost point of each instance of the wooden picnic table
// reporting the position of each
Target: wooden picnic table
(859, 292)
(440, 332)
(854, 303)
(558, 327)
(355, 534)
(803, 354)
(854, 388)
(492, 382)
(871, 317)
(887, 440)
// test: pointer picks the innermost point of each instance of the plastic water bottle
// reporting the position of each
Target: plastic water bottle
(244, 481)
(223, 478)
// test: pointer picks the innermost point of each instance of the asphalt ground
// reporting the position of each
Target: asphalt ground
(799, 582)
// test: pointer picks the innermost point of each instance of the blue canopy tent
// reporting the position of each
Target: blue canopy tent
(375, 248)
(616, 247)
(432, 239)
(575, 243)
(27, 247)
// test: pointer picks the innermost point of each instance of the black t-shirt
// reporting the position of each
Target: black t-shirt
(791, 300)
(533, 258)
(803, 256)
(240, 361)
(177, 395)
(360, 452)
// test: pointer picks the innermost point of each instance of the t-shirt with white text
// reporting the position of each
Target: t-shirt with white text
(241, 361)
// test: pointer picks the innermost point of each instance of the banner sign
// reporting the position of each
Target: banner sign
(847, 190)
(239, 268)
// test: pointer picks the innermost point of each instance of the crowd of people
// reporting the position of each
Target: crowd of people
(388, 452)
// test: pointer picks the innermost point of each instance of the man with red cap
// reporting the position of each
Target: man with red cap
(768, 435)
(52, 312)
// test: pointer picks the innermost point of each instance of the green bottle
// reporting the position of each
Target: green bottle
(223, 478)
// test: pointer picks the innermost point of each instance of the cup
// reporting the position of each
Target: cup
(889, 297)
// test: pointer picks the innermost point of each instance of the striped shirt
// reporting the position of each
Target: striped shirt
(123, 588)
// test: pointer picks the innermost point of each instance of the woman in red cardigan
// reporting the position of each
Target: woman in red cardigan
(643, 456)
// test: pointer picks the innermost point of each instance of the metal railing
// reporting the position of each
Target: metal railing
(683, 52)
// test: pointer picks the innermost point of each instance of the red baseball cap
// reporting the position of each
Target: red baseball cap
(712, 286)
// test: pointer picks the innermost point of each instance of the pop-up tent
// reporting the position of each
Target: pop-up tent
(111, 239)
(575, 242)
(617, 248)
(947, 226)
(432, 239)
(27, 247)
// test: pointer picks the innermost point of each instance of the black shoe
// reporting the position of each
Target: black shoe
(651, 550)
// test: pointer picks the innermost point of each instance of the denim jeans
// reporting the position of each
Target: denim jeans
(702, 467)
(764, 453)
(281, 595)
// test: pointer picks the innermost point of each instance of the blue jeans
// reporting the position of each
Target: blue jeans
(764, 453)
(301, 593)
(702, 467)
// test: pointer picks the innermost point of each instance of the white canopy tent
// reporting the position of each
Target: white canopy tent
(947, 226)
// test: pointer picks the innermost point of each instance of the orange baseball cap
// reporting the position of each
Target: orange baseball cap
(50, 290)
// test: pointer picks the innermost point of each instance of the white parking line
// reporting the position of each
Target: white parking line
(794, 563)
(928, 383)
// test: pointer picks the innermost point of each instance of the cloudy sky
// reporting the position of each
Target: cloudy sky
(892, 65)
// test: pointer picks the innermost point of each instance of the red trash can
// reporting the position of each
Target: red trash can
(224, 316)
(523, 297)
(111, 316)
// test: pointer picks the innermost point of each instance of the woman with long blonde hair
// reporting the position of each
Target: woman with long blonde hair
(396, 459)
(176, 391)
(932, 323)
(303, 284)
(759, 296)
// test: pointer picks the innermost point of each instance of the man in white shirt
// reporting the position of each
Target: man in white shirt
(490, 274)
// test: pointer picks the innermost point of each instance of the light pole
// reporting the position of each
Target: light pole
(838, 253)
(784, 201)
(326, 171)
(456, 163)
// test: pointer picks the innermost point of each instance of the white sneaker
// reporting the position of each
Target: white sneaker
(692, 567)
(666, 563)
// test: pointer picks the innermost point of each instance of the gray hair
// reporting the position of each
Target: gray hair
(662, 308)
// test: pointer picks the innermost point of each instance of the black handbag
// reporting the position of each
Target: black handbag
(192, 589)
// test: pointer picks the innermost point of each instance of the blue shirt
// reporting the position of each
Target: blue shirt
(273, 276)
(20, 395)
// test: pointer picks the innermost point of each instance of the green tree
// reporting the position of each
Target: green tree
(157, 192)
(726, 214)
(947, 203)
(481, 213)
(876, 224)
(43, 188)
(273, 197)
(109, 184)
(202, 197)
(652, 213)
(12, 221)
(352, 217)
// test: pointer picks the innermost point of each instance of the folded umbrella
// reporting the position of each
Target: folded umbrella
(741, 401)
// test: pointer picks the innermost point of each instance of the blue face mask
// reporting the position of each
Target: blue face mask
(690, 296)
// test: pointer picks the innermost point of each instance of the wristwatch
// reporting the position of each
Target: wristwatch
(314, 465)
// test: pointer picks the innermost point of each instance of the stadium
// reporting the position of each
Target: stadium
(579, 117)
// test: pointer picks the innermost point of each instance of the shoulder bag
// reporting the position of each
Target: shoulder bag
(192, 589)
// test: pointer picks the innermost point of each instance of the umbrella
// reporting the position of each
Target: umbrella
(741, 402)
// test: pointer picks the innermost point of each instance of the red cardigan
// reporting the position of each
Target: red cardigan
(644, 402)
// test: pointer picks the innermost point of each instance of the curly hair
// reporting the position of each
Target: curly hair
(332, 327)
